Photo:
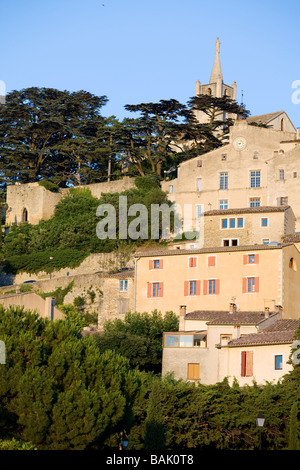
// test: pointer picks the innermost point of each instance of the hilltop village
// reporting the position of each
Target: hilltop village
(235, 288)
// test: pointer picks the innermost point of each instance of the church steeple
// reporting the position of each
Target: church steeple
(216, 73)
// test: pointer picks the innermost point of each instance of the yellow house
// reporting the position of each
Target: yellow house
(254, 277)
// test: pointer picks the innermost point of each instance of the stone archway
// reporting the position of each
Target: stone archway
(25, 215)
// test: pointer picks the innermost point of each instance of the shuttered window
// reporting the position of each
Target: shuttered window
(246, 363)
(193, 371)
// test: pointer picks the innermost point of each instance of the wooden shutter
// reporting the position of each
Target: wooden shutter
(149, 288)
(161, 289)
(204, 287)
(256, 259)
(243, 363)
(244, 285)
(193, 371)
(245, 259)
(186, 287)
(217, 286)
(150, 264)
(249, 364)
(161, 263)
(257, 284)
(211, 261)
(197, 287)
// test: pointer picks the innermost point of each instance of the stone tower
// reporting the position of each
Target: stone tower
(216, 87)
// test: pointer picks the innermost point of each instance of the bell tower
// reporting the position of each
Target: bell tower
(216, 87)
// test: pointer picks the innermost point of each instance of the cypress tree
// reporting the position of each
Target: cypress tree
(155, 432)
(293, 429)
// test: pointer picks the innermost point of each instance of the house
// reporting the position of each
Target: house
(253, 276)
(241, 345)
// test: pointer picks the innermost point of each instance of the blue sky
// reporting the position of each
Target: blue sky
(145, 50)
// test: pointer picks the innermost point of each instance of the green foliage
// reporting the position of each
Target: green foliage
(155, 431)
(14, 444)
(59, 293)
(49, 185)
(293, 428)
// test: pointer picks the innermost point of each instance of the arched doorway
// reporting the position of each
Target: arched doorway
(25, 215)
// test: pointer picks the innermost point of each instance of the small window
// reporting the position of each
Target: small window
(234, 242)
(278, 362)
(255, 156)
(193, 371)
(246, 363)
(212, 286)
(232, 223)
(251, 259)
(124, 285)
(224, 223)
(251, 284)
(295, 174)
(211, 261)
(223, 180)
(226, 242)
(192, 287)
(240, 222)
(198, 211)
(186, 341)
(266, 241)
(171, 188)
(199, 184)
(199, 163)
(223, 204)
(171, 341)
(255, 179)
(224, 157)
(264, 222)
(192, 262)
(281, 174)
(283, 201)
(156, 264)
(255, 202)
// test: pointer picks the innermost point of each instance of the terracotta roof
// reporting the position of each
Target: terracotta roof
(247, 210)
(224, 317)
(219, 249)
(280, 332)
(126, 274)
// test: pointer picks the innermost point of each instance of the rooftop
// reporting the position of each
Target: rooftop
(280, 332)
(226, 318)
(248, 210)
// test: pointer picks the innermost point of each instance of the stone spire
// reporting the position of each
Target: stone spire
(216, 73)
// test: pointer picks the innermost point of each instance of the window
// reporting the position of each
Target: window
(124, 285)
(192, 262)
(295, 174)
(251, 259)
(240, 222)
(212, 286)
(264, 222)
(211, 261)
(254, 201)
(281, 174)
(171, 341)
(223, 204)
(155, 264)
(178, 340)
(266, 241)
(223, 180)
(232, 223)
(230, 242)
(224, 157)
(224, 223)
(198, 211)
(224, 339)
(246, 363)
(255, 179)
(186, 341)
(191, 287)
(193, 371)
(171, 188)
(155, 289)
(199, 163)
(25, 215)
(278, 362)
(250, 284)
(234, 242)
(255, 155)
(283, 201)
(199, 184)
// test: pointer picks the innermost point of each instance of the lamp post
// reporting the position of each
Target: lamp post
(124, 441)
(260, 421)
(51, 258)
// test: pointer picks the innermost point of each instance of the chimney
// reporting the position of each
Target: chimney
(182, 313)
(232, 308)
(279, 309)
(267, 312)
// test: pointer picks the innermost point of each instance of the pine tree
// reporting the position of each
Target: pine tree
(293, 429)
(155, 432)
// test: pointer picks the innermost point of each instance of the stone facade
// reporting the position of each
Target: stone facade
(32, 202)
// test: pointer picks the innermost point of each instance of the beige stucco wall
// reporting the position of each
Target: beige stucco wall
(238, 164)
(32, 301)
(263, 363)
(229, 269)
(279, 224)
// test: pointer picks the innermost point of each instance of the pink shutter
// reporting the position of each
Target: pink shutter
(244, 285)
(217, 289)
(204, 287)
(161, 289)
(211, 261)
(245, 259)
(186, 287)
(197, 287)
(161, 263)
(257, 284)
(149, 289)
(150, 264)
(243, 363)
(256, 259)
(249, 364)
